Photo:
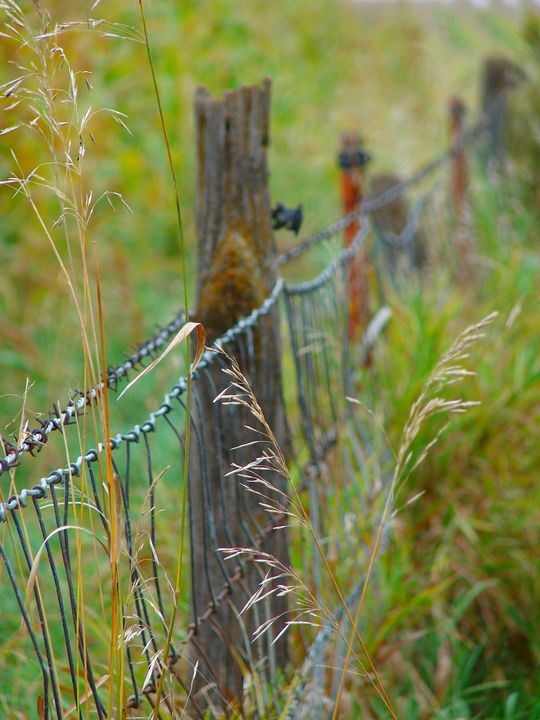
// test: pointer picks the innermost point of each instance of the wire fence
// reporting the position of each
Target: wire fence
(55, 541)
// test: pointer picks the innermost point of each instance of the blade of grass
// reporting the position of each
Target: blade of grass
(180, 556)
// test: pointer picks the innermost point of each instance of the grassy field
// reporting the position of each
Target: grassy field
(330, 71)
(452, 621)
(467, 634)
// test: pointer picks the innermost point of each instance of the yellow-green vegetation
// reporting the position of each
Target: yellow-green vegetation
(451, 620)
(386, 72)
(459, 624)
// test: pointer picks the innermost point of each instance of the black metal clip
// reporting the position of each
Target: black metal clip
(348, 159)
(289, 218)
(352, 153)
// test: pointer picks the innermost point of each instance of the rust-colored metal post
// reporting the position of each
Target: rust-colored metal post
(352, 161)
(460, 184)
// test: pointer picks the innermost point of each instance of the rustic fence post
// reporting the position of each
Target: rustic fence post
(459, 165)
(352, 160)
(390, 221)
(499, 75)
(236, 273)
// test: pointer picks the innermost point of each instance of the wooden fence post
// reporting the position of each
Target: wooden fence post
(389, 221)
(499, 75)
(352, 160)
(460, 170)
(236, 273)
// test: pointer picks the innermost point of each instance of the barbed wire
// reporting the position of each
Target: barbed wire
(329, 271)
(371, 204)
(134, 434)
(399, 241)
(35, 439)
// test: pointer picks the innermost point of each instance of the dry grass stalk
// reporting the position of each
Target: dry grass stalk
(288, 509)
(278, 578)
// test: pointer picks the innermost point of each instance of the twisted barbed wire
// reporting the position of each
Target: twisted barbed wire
(371, 203)
(330, 270)
(148, 425)
(403, 239)
(35, 439)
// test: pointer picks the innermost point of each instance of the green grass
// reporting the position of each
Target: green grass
(334, 66)
(475, 527)
(452, 620)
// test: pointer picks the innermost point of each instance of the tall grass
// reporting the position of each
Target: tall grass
(326, 62)
(308, 607)
(448, 626)
(185, 479)
(46, 94)
(463, 631)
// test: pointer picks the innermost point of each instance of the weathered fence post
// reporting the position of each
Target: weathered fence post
(499, 75)
(390, 221)
(236, 273)
(352, 160)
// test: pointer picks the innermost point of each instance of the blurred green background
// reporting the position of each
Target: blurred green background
(386, 71)
(454, 624)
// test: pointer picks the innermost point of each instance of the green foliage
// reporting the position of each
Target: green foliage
(453, 622)
(335, 66)
(472, 649)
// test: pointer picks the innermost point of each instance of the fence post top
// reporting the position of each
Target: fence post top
(202, 93)
(352, 152)
(457, 107)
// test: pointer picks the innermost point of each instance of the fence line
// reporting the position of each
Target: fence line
(304, 319)
(148, 349)
(35, 439)
(370, 204)
(316, 312)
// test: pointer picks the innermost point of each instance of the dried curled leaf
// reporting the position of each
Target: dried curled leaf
(181, 335)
